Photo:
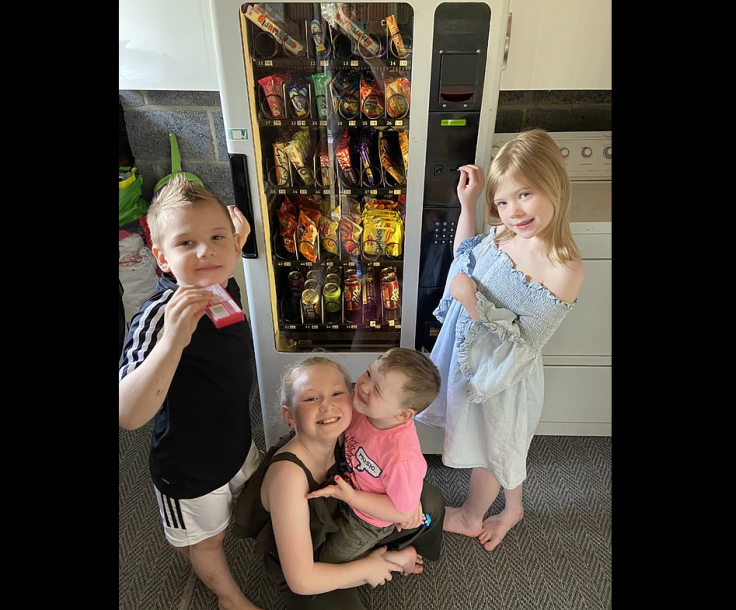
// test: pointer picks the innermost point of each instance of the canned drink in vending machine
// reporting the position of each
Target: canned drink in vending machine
(332, 301)
(353, 300)
(333, 277)
(390, 297)
(292, 308)
(296, 282)
(370, 305)
(313, 284)
(311, 310)
(314, 274)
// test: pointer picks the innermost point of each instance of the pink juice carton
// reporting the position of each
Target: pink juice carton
(222, 310)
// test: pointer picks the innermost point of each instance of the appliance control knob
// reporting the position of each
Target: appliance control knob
(608, 152)
(565, 151)
(587, 151)
(494, 150)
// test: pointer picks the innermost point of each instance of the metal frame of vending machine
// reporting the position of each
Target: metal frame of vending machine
(421, 75)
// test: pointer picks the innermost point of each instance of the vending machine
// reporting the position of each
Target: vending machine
(345, 125)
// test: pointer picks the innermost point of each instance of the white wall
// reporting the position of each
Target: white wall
(555, 44)
(559, 44)
(166, 45)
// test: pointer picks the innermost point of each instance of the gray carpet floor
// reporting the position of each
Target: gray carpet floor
(557, 558)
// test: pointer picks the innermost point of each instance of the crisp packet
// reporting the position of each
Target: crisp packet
(222, 310)
(398, 91)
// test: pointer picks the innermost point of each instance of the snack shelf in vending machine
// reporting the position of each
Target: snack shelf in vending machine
(331, 101)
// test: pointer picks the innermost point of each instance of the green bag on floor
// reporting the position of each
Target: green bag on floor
(176, 167)
(131, 206)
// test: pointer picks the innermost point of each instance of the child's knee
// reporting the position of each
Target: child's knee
(432, 501)
(207, 544)
(182, 550)
(213, 541)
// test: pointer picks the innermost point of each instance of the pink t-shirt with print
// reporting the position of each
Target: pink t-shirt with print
(387, 462)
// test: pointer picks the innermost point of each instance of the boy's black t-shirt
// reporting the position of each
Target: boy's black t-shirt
(202, 433)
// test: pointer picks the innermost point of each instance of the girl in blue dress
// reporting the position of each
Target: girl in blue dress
(506, 294)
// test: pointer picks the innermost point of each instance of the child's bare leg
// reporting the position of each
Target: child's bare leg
(468, 518)
(210, 565)
(497, 526)
(408, 559)
(182, 550)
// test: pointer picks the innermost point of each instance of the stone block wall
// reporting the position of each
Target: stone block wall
(196, 119)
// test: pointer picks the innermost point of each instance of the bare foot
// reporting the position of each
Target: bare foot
(242, 604)
(455, 522)
(407, 559)
(497, 526)
(417, 568)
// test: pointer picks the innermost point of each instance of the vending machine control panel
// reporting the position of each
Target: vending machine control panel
(459, 51)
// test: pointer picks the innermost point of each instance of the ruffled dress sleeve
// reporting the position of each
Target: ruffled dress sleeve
(493, 356)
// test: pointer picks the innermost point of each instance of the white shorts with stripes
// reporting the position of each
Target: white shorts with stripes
(187, 522)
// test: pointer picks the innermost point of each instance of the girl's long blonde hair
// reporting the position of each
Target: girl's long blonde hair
(534, 156)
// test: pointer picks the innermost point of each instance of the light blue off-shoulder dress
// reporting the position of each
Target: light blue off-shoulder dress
(492, 377)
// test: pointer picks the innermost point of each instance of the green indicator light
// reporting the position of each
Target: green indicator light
(452, 122)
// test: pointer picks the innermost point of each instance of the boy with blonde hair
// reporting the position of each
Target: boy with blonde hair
(193, 379)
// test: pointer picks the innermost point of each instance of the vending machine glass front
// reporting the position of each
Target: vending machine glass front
(330, 97)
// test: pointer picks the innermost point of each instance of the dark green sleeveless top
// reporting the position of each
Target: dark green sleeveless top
(253, 521)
